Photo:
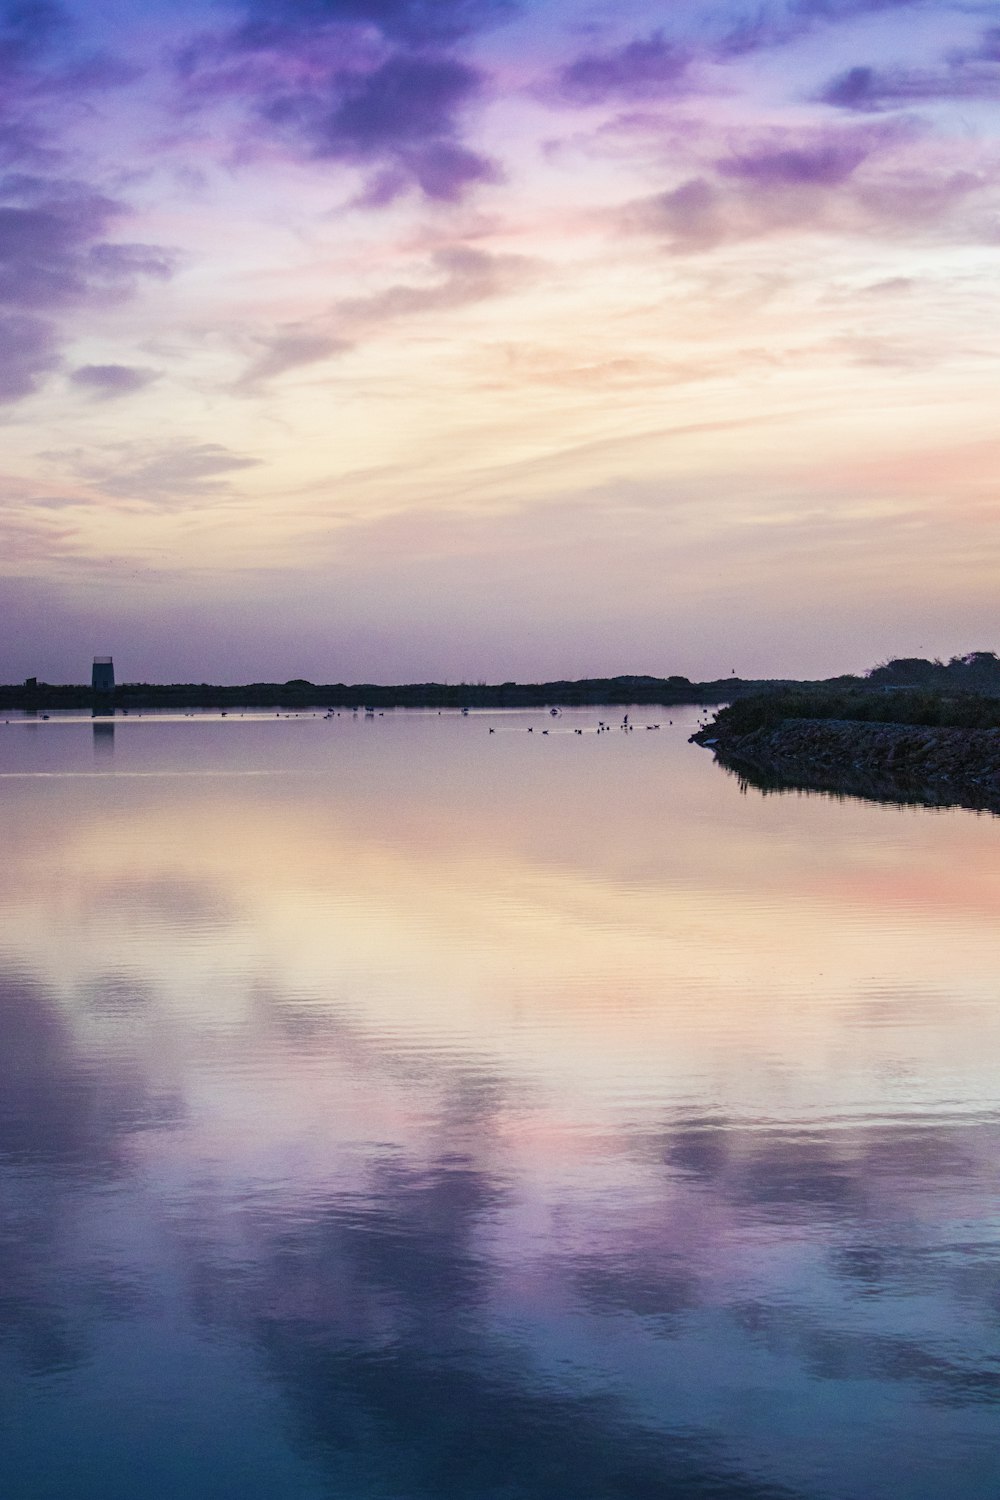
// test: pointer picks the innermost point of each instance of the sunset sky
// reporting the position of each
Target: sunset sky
(482, 339)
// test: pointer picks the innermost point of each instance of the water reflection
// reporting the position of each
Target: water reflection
(844, 781)
(65, 1121)
(104, 738)
(406, 1122)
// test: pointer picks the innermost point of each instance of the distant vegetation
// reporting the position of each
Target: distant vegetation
(861, 702)
(912, 731)
(963, 693)
(298, 693)
(908, 690)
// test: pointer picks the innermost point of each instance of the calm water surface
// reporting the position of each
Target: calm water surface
(391, 1109)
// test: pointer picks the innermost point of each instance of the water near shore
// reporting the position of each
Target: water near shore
(927, 765)
(391, 1109)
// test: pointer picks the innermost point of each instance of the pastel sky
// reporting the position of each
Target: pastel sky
(484, 339)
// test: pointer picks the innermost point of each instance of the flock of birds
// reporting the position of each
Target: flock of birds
(626, 726)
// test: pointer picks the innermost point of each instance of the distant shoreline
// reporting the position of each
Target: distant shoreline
(932, 682)
(298, 693)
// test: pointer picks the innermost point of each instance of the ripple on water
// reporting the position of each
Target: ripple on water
(388, 1108)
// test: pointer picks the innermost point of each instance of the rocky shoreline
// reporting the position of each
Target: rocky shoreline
(904, 763)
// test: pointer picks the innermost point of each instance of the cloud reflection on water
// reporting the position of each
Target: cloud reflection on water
(504, 1173)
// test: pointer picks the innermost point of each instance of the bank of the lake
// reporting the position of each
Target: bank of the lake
(933, 749)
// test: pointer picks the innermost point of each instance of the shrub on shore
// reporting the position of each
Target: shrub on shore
(864, 704)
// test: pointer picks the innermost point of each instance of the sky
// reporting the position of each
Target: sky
(396, 340)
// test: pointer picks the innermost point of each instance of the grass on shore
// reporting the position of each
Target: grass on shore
(864, 704)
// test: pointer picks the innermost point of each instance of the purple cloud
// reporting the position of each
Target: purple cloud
(970, 74)
(30, 352)
(39, 55)
(871, 90)
(408, 98)
(415, 23)
(691, 215)
(642, 69)
(290, 349)
(989, 48)
(28, 32)
(45, 241)
(53, 255)
(823, 164)
(109, 381)
(52, 250)
(171, 475)
(777, 24)
(464, 276)
(857, 88)
(853, 181)
(844, 10)
(402, 113)
(120, 263)
(28, 29)
(370, 83)
(459, 276)
(40, 69)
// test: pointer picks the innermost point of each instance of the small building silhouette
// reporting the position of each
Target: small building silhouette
(102, 678)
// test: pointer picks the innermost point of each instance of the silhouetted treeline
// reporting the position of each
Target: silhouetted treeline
(976, 672)
(298, 693)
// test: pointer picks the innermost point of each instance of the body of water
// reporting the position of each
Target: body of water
(393, 1110)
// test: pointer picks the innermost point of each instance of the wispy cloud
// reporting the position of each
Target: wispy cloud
(775, 23)
(414, 23)
(451, 277)
(53, 245)
(289, 348)
(462, 275)
(55, 257)
(30, 352)
(872, 89)
(164, 475)
(644, 68)
(110, 381)
(820, 161)
(857, 181)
